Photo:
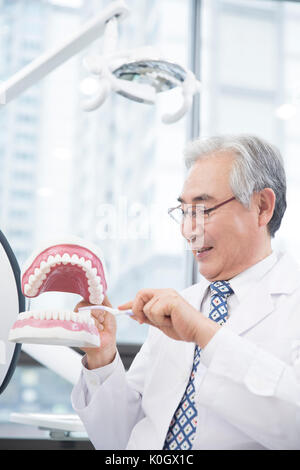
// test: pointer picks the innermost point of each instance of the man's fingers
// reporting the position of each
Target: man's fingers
(126, 306)
(137, 305)
(141, 299)
(106, 302)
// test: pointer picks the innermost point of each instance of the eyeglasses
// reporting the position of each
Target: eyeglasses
(196, 212)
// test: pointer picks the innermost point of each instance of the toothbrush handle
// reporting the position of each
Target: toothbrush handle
(114, 311)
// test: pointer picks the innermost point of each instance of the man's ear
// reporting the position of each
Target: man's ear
(266, 205)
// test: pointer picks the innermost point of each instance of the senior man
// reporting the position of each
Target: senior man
(220, 368)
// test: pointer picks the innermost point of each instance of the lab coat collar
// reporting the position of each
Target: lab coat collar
(245, 281)
(282, 278)
(285, 275)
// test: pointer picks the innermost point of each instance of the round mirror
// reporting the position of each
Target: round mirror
(12, 302)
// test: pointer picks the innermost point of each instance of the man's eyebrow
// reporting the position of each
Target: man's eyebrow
(201, 197)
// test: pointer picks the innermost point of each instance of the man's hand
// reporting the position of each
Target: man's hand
(172, 314)
(106, 324)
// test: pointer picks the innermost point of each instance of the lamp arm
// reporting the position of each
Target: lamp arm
(48, 62)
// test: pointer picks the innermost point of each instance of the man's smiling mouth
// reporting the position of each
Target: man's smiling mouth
(205, 248)
(203, 252)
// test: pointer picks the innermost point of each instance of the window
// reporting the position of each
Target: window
(250, 69)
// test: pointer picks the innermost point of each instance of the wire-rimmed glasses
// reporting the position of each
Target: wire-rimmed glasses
(196, 212)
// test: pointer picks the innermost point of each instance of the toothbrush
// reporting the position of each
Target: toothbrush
(114, 311)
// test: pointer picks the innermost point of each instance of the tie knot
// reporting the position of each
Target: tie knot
(221, 288)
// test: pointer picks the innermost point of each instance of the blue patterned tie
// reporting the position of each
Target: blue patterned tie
(182, 428)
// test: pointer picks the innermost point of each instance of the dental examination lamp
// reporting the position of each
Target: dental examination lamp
(137, 74)
(12, 303)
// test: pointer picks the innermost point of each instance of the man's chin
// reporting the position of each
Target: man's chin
(207, 266)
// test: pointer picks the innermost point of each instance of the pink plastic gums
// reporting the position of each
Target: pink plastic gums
(68, 325)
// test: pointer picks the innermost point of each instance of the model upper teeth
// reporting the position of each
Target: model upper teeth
(82, 317)
(36, 279)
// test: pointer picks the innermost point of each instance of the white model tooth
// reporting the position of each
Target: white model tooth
(74, 259)
(31, 279)
(66, 258)
(42, 315)
(44, 267)
(36, 315)
(55, 315)
(27, 289)
(94, 271)
(95, 293)
(22, 316)
(61, 315)
(97, 290)
(93, 299)
(84, 318)
(88, 264)
(48, 315)
(68, 316)
(38, 281)
(81, 263)
(37, 272)
(57, 259)
(94, 281)
(51, 260)
(39, 275)
(33, 292)
(73, 316)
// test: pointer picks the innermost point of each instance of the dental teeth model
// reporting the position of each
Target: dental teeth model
(63, 267)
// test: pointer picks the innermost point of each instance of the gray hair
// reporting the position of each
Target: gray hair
(258, 165)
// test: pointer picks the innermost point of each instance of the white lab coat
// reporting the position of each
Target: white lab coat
(249, 395)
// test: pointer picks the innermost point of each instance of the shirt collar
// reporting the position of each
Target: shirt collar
(241, 282)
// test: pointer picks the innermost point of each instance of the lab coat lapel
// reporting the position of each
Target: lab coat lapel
(283, 278)
(253, 308)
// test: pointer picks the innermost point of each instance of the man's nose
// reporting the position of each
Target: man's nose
(193, 232)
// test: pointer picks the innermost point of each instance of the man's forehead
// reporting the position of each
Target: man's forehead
(208, 178)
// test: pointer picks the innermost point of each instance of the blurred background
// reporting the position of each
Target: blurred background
(62, 170)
